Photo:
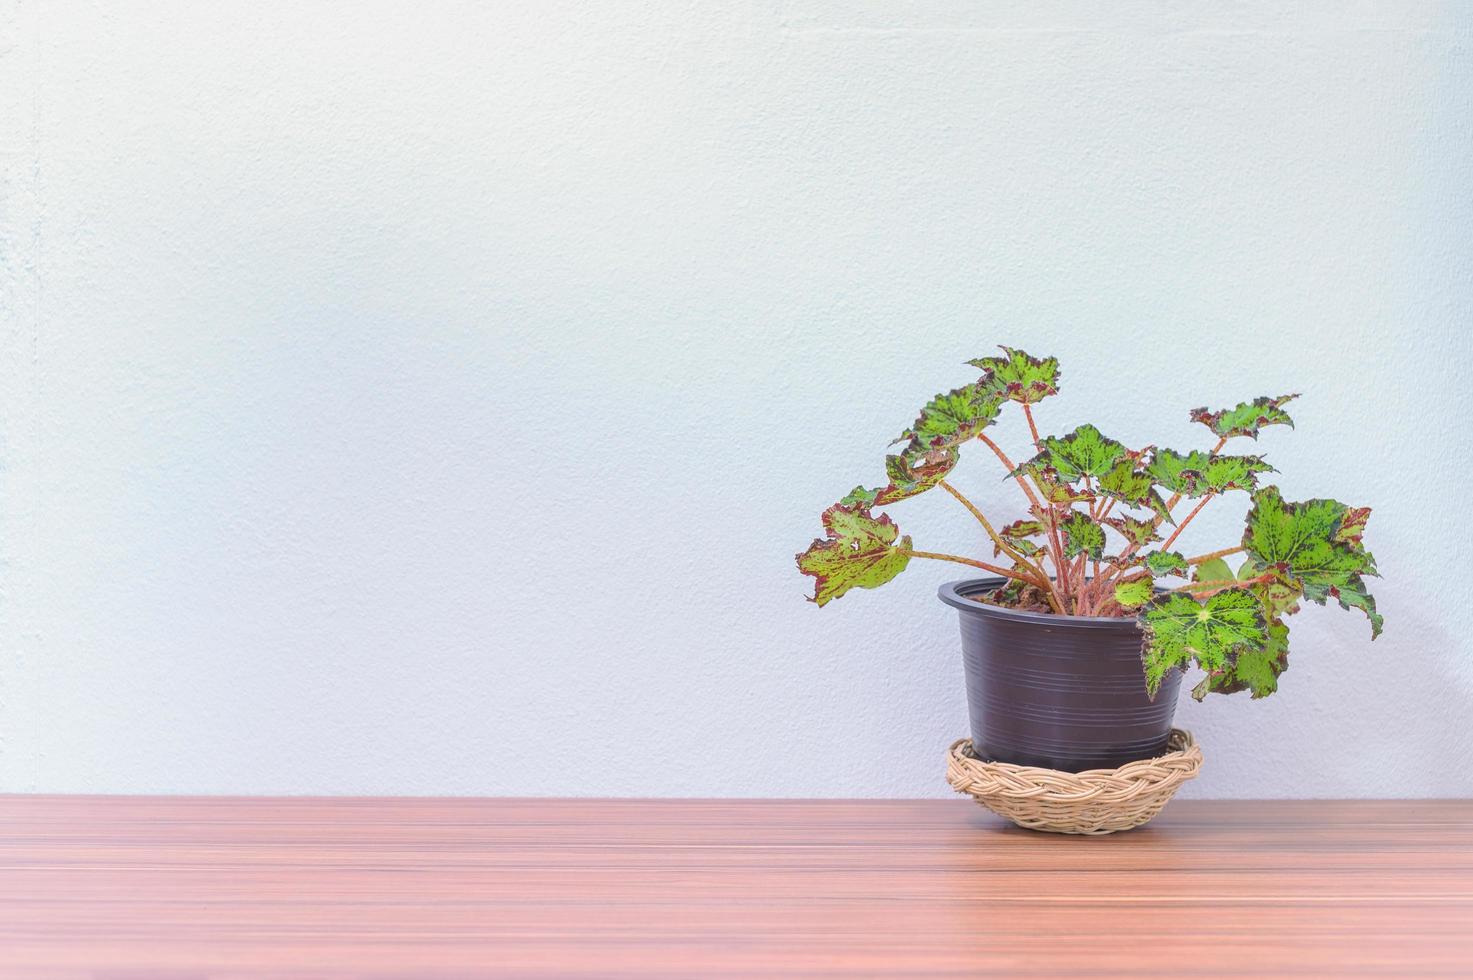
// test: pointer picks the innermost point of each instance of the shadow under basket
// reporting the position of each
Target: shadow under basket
(1096, 801)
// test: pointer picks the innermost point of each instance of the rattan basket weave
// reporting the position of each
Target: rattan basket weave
(1097, 801)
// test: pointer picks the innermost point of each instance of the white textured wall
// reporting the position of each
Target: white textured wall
(430, 398)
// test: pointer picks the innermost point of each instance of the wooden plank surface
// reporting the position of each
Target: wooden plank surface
(246, 888)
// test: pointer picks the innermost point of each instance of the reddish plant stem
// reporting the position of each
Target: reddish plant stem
(1101, 581)
(1009, 464)
(1028, 414)
(1061, 564)
(1186, 520)
(1176, 499)
(1060, 567)
(1054, 547)
(1002, 545)
(1220, 553)
(967, 561)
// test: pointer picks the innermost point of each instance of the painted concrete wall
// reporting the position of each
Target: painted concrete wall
(431, 398)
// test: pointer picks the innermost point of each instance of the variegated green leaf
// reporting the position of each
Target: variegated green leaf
(1248, 418)
(1056, 491)
(1279, 598)
(1133, 592)
(908, 479)
(1138, 532)
(1351, 595)
(1017, 535)
(1083, 452)
(1082, 535)
(1133, 488)
(1257, 669)
(1180, 630)
(1022, 530)
(950, 419)
(1197, 473)
(859, 496)
(1301, 544)
(1160, 563)
(1226, 473)
(860, 551)
(1018, 376)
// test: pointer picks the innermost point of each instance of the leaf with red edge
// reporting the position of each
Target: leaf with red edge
(908, 479)
(1300, 543)
(950, 419)
(1353, 525)
(1197, 474)
(1257, 669)
(1083, 452)
(1082, 535)
(1134, 530)
(1212, 632)
(1017, 535)
(1246, 419)
(860, 551)
(1018, 376)
(1134, 488)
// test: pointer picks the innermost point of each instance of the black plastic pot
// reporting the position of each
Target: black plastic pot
(1062, 692)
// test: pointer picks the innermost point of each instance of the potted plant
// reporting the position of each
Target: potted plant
(1075, 643)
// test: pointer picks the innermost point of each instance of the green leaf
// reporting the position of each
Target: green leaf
(1133, 592)
(859, 552)
(1082, 534)
(1083, 452)
(1175, 472)
(1138, 532)
(1213, 570)
(1018, 376)
(1278, 598)
(1055, 491)
(1197, 473)
(1022, 530)
(908, 479)
(1257, 669)
(860, 496)
(1247, 418)
(1133, 488)
(1235, 473)
(1180, 630)
(1160, 563)
(1353, 595)
(950, 419)
(1301, 543)
(1017, 534)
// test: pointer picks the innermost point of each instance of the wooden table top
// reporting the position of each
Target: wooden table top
(245, 888)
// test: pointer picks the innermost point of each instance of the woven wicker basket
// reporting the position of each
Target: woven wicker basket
(1097, 801)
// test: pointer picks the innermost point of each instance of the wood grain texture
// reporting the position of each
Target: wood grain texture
(247, 888)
